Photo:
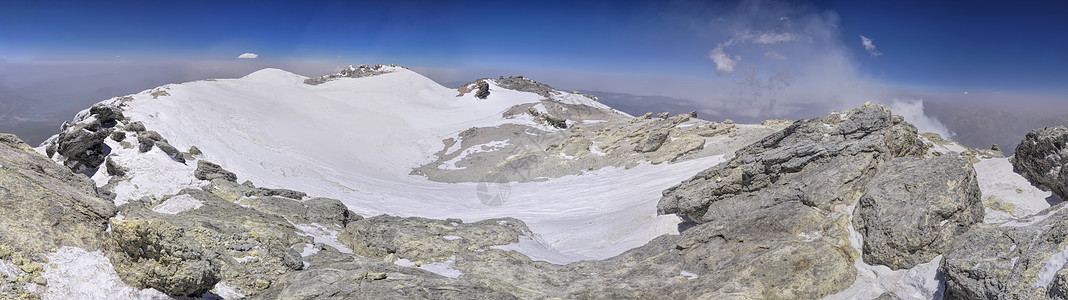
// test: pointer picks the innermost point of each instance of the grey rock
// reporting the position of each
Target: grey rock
(267, 192)
(250, 247)
(155, 254)
(533, 153)
(210, 171)
(888, 296)
(171, 151)
(350, 72)
(147, 139)
(113, 168)
(1004, 262)
(482, 90)
(820, 162)
(135, 127)
(118, 136)
(519, 83)
(653, 141)
(427, 240)
(194, 150)
(713, 260)
(329, 211)
(83, 145)
(913, 208)
(333, 275)
(106, 114)
(1041, 157)
(45, 205)
(324, 211)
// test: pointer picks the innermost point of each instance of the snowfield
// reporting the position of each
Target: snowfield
(357, 140)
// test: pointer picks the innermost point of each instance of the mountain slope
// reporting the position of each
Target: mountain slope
(358, 140)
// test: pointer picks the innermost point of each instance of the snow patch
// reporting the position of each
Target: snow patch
(321, 234)
(227, 292)
(595, 151)
(309, 250)
(81, 274)
(443, 268)
(1050, 268)
(451, 237)
(537, 249)
(997, 179)
(689, 275)
(805, 237)
(404, 263)
(178, 204)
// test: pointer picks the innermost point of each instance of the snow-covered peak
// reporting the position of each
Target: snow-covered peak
(275, 75)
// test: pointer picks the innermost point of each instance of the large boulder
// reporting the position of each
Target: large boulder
(913, 208)
(1022, 259)
(210, 171)
(161, 256)
(246, 248)
(1041, 157)
(82, 145)
(45, 205)
(823, 162)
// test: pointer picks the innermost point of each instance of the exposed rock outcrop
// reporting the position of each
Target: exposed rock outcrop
(913, 208)
(353, 72)
(820, 162)
(1042, 157)
(336, 275)
(1017, 260)
(246, 247)
(758, 255)
(161, 256)
(45, 205)
(426, 240)
(577, 139)
(82, 145)
(210, 171)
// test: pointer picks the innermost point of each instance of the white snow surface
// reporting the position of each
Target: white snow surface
(81, 274)
(997, 179)
(321, 234)
(1050, 268)
(443, 268)
(357, 139)
(178, 204)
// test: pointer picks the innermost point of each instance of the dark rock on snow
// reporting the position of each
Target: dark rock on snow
(1042, 156)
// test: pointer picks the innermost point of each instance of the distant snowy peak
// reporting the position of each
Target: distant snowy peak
(483, 88)
(356, 72)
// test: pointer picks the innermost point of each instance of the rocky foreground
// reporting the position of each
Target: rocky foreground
(795, 213)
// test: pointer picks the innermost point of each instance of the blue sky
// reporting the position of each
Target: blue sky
(772, 54)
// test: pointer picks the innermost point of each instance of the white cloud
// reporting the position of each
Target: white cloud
(248, 55)
(869, 45)
(724, 63)
(965, 93)
(774, 55)
(912, 111)
(773, 38)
